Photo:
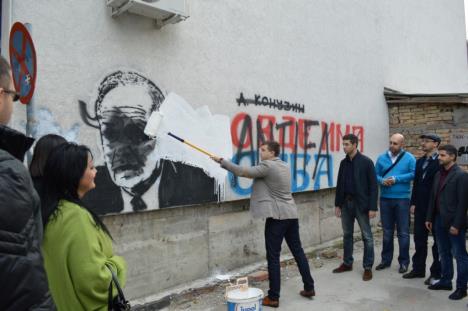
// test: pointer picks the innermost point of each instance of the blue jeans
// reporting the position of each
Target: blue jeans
(349, 212)
(395, 212)
(452, 245)
(275, 231)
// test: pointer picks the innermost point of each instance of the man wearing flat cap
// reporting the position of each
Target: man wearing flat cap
(426, 168)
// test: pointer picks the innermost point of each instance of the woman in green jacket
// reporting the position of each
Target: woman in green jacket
(77, 246)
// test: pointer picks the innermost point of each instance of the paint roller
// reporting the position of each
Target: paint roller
(152, 127)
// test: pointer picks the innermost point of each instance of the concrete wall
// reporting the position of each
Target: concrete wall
(169, 247)
(308, 69)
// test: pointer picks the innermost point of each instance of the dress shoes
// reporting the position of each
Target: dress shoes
(267, 301)
(403, 269)
(458, 294)
(382, 266)
(413, 275)
(367, 275)
(307, 293)
(343, 268)
(438, 286)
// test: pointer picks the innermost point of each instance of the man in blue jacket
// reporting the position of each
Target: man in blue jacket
(395, 171)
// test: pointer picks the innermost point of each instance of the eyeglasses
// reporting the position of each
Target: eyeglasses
(15, 95)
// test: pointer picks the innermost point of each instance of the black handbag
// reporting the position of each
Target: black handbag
(119, 303)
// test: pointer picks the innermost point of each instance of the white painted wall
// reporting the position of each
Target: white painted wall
(335, 57)
(424, 44)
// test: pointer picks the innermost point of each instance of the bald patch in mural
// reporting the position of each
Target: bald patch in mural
(133, 170)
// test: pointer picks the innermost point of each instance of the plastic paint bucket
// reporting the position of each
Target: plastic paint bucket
(244, 299)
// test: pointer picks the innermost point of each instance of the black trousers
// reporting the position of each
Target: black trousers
(275, 232)
(420, 242)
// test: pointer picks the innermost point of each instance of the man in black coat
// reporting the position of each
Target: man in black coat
(22, 274)
(426, 168)
(356, 198)
(447, 214)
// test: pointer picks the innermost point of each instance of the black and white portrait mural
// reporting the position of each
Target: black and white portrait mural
(133, 176)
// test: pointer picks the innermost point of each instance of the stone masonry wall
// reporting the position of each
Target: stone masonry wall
(414, 119)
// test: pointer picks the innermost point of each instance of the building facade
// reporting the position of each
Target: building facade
(240, 72)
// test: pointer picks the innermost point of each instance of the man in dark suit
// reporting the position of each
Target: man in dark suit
(447, 214)
(426, 168)
(356, 198)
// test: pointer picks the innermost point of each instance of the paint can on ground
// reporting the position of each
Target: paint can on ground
(243, 298)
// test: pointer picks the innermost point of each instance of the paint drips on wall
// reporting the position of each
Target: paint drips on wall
(201, 128)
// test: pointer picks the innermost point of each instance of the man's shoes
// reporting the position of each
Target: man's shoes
(458, 294)
(343, 268)
(438, 286)
(267, 301)
(431, 280)
(413, 275)
(307, 293)
(367, 275)
(382, 266)
(403, 269)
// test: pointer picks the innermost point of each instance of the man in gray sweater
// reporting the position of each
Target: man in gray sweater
(272, 199)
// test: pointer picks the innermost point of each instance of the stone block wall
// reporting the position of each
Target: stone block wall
(413, 118)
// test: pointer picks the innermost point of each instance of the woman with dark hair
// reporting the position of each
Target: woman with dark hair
(43, 147)
(77, 246)
(42, 150)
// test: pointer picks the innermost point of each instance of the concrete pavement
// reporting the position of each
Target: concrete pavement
(387, 291)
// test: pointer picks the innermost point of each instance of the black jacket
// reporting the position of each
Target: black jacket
(452, 198)
(22, 275)
(365, 184)
(422, 186)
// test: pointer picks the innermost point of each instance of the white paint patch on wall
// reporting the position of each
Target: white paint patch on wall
(199, 127)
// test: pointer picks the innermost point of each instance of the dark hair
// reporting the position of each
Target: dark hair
(62, 174)
(4, 73)
(41, 152)
(352, 138)
(450, 149)
(273, 146)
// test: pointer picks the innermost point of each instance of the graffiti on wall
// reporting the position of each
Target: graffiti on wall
(44, 123)
(308, 145)
(133, 176)
(272, 103)
(139, 173)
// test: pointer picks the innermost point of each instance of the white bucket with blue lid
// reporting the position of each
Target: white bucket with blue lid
(241, 297)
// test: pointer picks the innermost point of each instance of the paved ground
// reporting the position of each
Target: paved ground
(388, 291)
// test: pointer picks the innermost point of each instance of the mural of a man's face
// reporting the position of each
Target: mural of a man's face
(122, 117)
(123, 104)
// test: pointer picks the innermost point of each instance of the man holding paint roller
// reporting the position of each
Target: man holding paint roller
(272, 199)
